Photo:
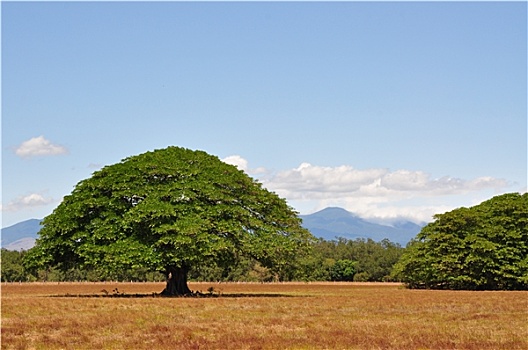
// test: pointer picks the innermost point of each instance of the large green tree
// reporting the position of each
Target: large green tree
(477, 248)
(168, 210)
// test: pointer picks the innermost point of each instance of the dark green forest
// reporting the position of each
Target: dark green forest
(336, 260)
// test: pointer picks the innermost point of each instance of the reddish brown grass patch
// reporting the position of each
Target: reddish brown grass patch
(260, 316)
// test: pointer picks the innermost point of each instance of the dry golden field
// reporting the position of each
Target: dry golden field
(260, 316)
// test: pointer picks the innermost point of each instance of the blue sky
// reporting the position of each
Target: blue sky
(390, 110)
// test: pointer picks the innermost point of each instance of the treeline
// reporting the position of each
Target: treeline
(336, 260)
(13, 270)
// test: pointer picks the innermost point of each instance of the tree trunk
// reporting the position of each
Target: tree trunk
(176, 281)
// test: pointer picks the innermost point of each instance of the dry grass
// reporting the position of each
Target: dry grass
(262, 316)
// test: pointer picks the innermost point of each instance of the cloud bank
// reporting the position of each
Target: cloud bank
(378, 194)
(327, 182)
(27, 202)
(39, 146)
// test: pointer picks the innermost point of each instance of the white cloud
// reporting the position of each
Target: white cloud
(242, 164)
(377, 193)
(329, 182)
(324, 180)
(237, 161)
(39, 146)
(26, 202)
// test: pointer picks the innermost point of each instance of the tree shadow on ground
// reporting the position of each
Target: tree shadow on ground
(211, 294)
(194, 295)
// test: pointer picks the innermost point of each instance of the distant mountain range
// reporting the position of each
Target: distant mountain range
(20, 236)
(329, 224)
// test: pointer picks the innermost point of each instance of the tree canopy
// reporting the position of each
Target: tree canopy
(484, 247)
(167, 210)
